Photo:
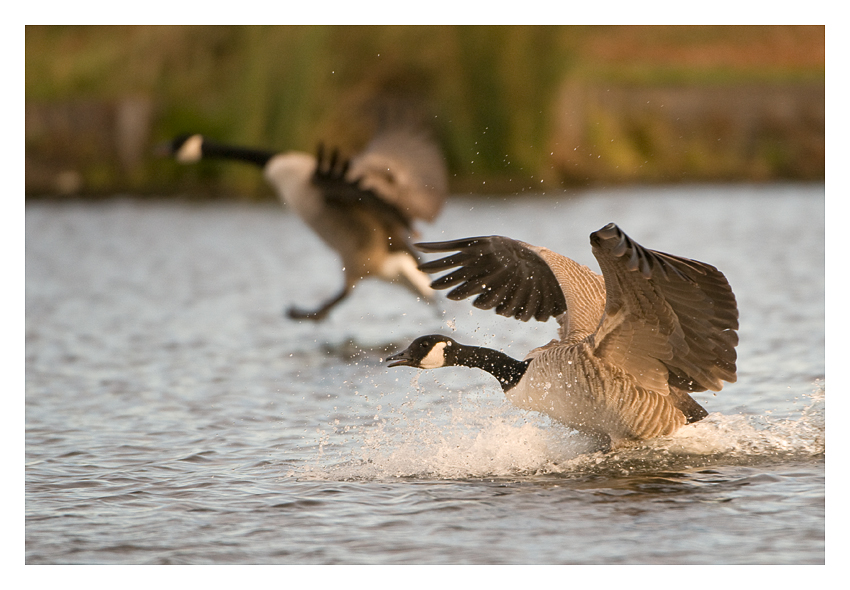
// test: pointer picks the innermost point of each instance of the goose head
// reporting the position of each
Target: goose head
(186, 148)
(427, 352)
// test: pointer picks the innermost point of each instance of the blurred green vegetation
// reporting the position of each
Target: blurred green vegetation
(494, 97)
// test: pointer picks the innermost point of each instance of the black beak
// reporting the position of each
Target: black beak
(401, 359)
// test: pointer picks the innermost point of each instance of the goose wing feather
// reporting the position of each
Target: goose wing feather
(405, 169)
(504, 274)
(668, 319)
(332, 179)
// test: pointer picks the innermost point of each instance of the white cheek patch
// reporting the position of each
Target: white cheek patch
(435, 358)
(190, 151)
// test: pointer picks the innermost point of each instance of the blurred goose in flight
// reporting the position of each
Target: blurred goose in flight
(363, 208)
(633, 342)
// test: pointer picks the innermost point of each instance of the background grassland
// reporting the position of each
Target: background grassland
(511, 105)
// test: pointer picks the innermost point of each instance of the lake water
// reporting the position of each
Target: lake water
(173, 415)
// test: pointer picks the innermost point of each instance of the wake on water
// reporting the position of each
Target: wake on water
(479, 437)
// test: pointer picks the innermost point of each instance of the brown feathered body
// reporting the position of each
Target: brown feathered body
(633, 344)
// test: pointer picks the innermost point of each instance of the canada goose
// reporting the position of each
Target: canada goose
(362, 208)
(633, 342)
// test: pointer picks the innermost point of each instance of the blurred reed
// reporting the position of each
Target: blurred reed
(516, 108)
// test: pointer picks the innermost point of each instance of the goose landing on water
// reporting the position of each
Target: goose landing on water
(633, 342)
(363, 208)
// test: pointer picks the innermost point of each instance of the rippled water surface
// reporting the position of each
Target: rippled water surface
(173, 415)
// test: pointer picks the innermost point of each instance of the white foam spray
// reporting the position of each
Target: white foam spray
(480, 435)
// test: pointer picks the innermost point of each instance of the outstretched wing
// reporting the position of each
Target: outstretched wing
(330, 177)
(405, 169)
(521, 281)
(503, 273)
(667, 319)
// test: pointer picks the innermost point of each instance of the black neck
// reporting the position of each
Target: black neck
(504, 368)
(227, 152)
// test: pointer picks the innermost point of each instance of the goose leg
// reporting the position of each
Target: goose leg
(319, 314)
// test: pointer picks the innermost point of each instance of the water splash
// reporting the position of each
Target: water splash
(478, 437)
(465, 442)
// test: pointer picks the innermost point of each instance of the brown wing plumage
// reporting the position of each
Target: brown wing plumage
(339, 191)
(502, 273)
(667, 319)
(405, 169)
(363, 210)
